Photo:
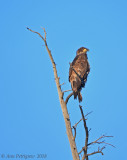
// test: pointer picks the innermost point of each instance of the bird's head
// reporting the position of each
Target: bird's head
(82, 50)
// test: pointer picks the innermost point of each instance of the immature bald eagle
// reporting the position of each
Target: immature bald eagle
(78, 72)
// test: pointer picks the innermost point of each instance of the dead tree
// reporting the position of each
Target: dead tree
(69, 128)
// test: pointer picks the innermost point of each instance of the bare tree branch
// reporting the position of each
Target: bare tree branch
(98, 142)
(74, 132)
(77, 123)
(37, 33)
(62, 102)
(62, 84)
(67, 90)
(87, 134)
(99, 151)
(84, 157)
(105, 143)
(81, 119)
(81, 150)
(44, 32)
(67, 99)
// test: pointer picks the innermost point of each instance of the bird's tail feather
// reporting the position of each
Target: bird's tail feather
(79, 97)
(76, 92)
(75, 95)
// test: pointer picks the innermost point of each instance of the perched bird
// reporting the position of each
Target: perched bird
(78, 72)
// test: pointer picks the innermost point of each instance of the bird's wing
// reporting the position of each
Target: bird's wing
(70, 72)
(80, 65)
(73, 65)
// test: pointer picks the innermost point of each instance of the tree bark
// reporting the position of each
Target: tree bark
(64, 110)
(62, 102)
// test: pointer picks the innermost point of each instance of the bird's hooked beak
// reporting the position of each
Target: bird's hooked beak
(86, 49)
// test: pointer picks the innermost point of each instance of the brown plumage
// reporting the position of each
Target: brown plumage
(78, 72)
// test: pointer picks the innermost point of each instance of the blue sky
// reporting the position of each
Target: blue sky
(31, 120)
